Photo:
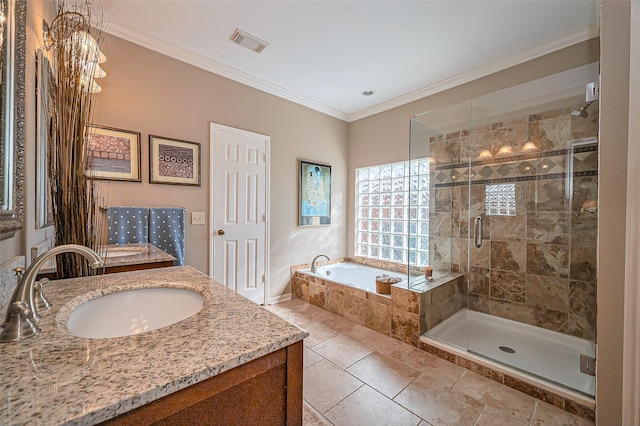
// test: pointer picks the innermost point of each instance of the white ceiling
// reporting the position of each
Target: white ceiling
(323, 54)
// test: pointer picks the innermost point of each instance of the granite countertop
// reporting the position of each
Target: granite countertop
(58, 378)
(148, 253)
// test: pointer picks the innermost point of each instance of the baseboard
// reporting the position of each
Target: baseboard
(278, 299)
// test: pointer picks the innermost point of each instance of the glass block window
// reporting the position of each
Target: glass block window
(392, 212)
(501, 199)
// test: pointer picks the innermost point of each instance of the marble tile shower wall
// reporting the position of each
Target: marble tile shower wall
(539, 265)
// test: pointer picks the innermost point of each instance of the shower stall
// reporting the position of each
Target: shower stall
(505, 186)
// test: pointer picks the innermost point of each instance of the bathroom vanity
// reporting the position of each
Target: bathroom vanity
(133, 257)
(123, 258)
(233, 362)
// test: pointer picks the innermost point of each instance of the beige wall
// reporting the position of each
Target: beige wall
(614, 119)
(151, 93)
(384, 137)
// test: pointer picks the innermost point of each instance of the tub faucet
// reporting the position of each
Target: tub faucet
(313, 262)
(22, 313)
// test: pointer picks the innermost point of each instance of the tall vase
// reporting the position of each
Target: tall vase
(73, 192)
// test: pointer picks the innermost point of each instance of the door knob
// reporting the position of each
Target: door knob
(220, 232)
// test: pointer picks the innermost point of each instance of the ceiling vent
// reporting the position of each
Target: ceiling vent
(247, 40)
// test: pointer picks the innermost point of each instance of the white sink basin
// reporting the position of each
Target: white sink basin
(130, 312)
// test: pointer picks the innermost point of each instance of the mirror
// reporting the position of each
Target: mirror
(12, 90)
(44, 79)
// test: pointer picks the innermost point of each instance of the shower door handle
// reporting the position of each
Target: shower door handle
(477, 231)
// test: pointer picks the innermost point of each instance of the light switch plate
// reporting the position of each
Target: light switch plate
(198, 218)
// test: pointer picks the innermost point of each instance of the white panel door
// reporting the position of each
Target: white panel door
(239, 206)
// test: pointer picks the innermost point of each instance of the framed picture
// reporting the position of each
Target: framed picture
(114, 154)
(173, 162)
(315, 194)
(44, 79)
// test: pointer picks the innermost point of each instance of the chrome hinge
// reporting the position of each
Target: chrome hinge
(587, 365)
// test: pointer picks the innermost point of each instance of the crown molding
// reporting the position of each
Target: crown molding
(222, 70)
(215, 67)
(568, 40)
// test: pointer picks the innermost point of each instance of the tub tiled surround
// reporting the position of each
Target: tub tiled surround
(425, 305)
(369, 309)
(8, 278)
(440, 299)
(537, 266)
(404, 314)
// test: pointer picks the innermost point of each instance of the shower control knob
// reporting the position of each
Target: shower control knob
(220, 231)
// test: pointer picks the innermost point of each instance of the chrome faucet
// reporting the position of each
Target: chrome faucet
(313, 262)
(22, 312)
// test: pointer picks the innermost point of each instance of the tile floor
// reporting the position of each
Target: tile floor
(356, 376)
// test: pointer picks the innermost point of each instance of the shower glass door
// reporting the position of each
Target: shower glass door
(513, 208)
(438, 234)
(533, 163)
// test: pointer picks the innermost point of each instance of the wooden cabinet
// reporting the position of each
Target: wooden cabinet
(116, 268)
(265, 391)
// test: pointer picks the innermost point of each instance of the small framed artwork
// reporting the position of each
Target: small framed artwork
(315, 194)
(113, 154)
(173, 162)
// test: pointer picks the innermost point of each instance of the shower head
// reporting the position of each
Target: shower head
(582, 111)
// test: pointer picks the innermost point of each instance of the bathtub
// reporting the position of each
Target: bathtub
(353, 275)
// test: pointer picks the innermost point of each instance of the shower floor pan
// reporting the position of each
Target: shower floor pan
(543, 353)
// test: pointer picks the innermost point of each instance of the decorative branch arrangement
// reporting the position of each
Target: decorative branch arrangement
(75, 55)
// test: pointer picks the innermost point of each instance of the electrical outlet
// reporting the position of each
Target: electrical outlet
(198, 218)
(592, 92)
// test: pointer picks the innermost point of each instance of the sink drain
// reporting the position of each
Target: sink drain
(507, 349)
